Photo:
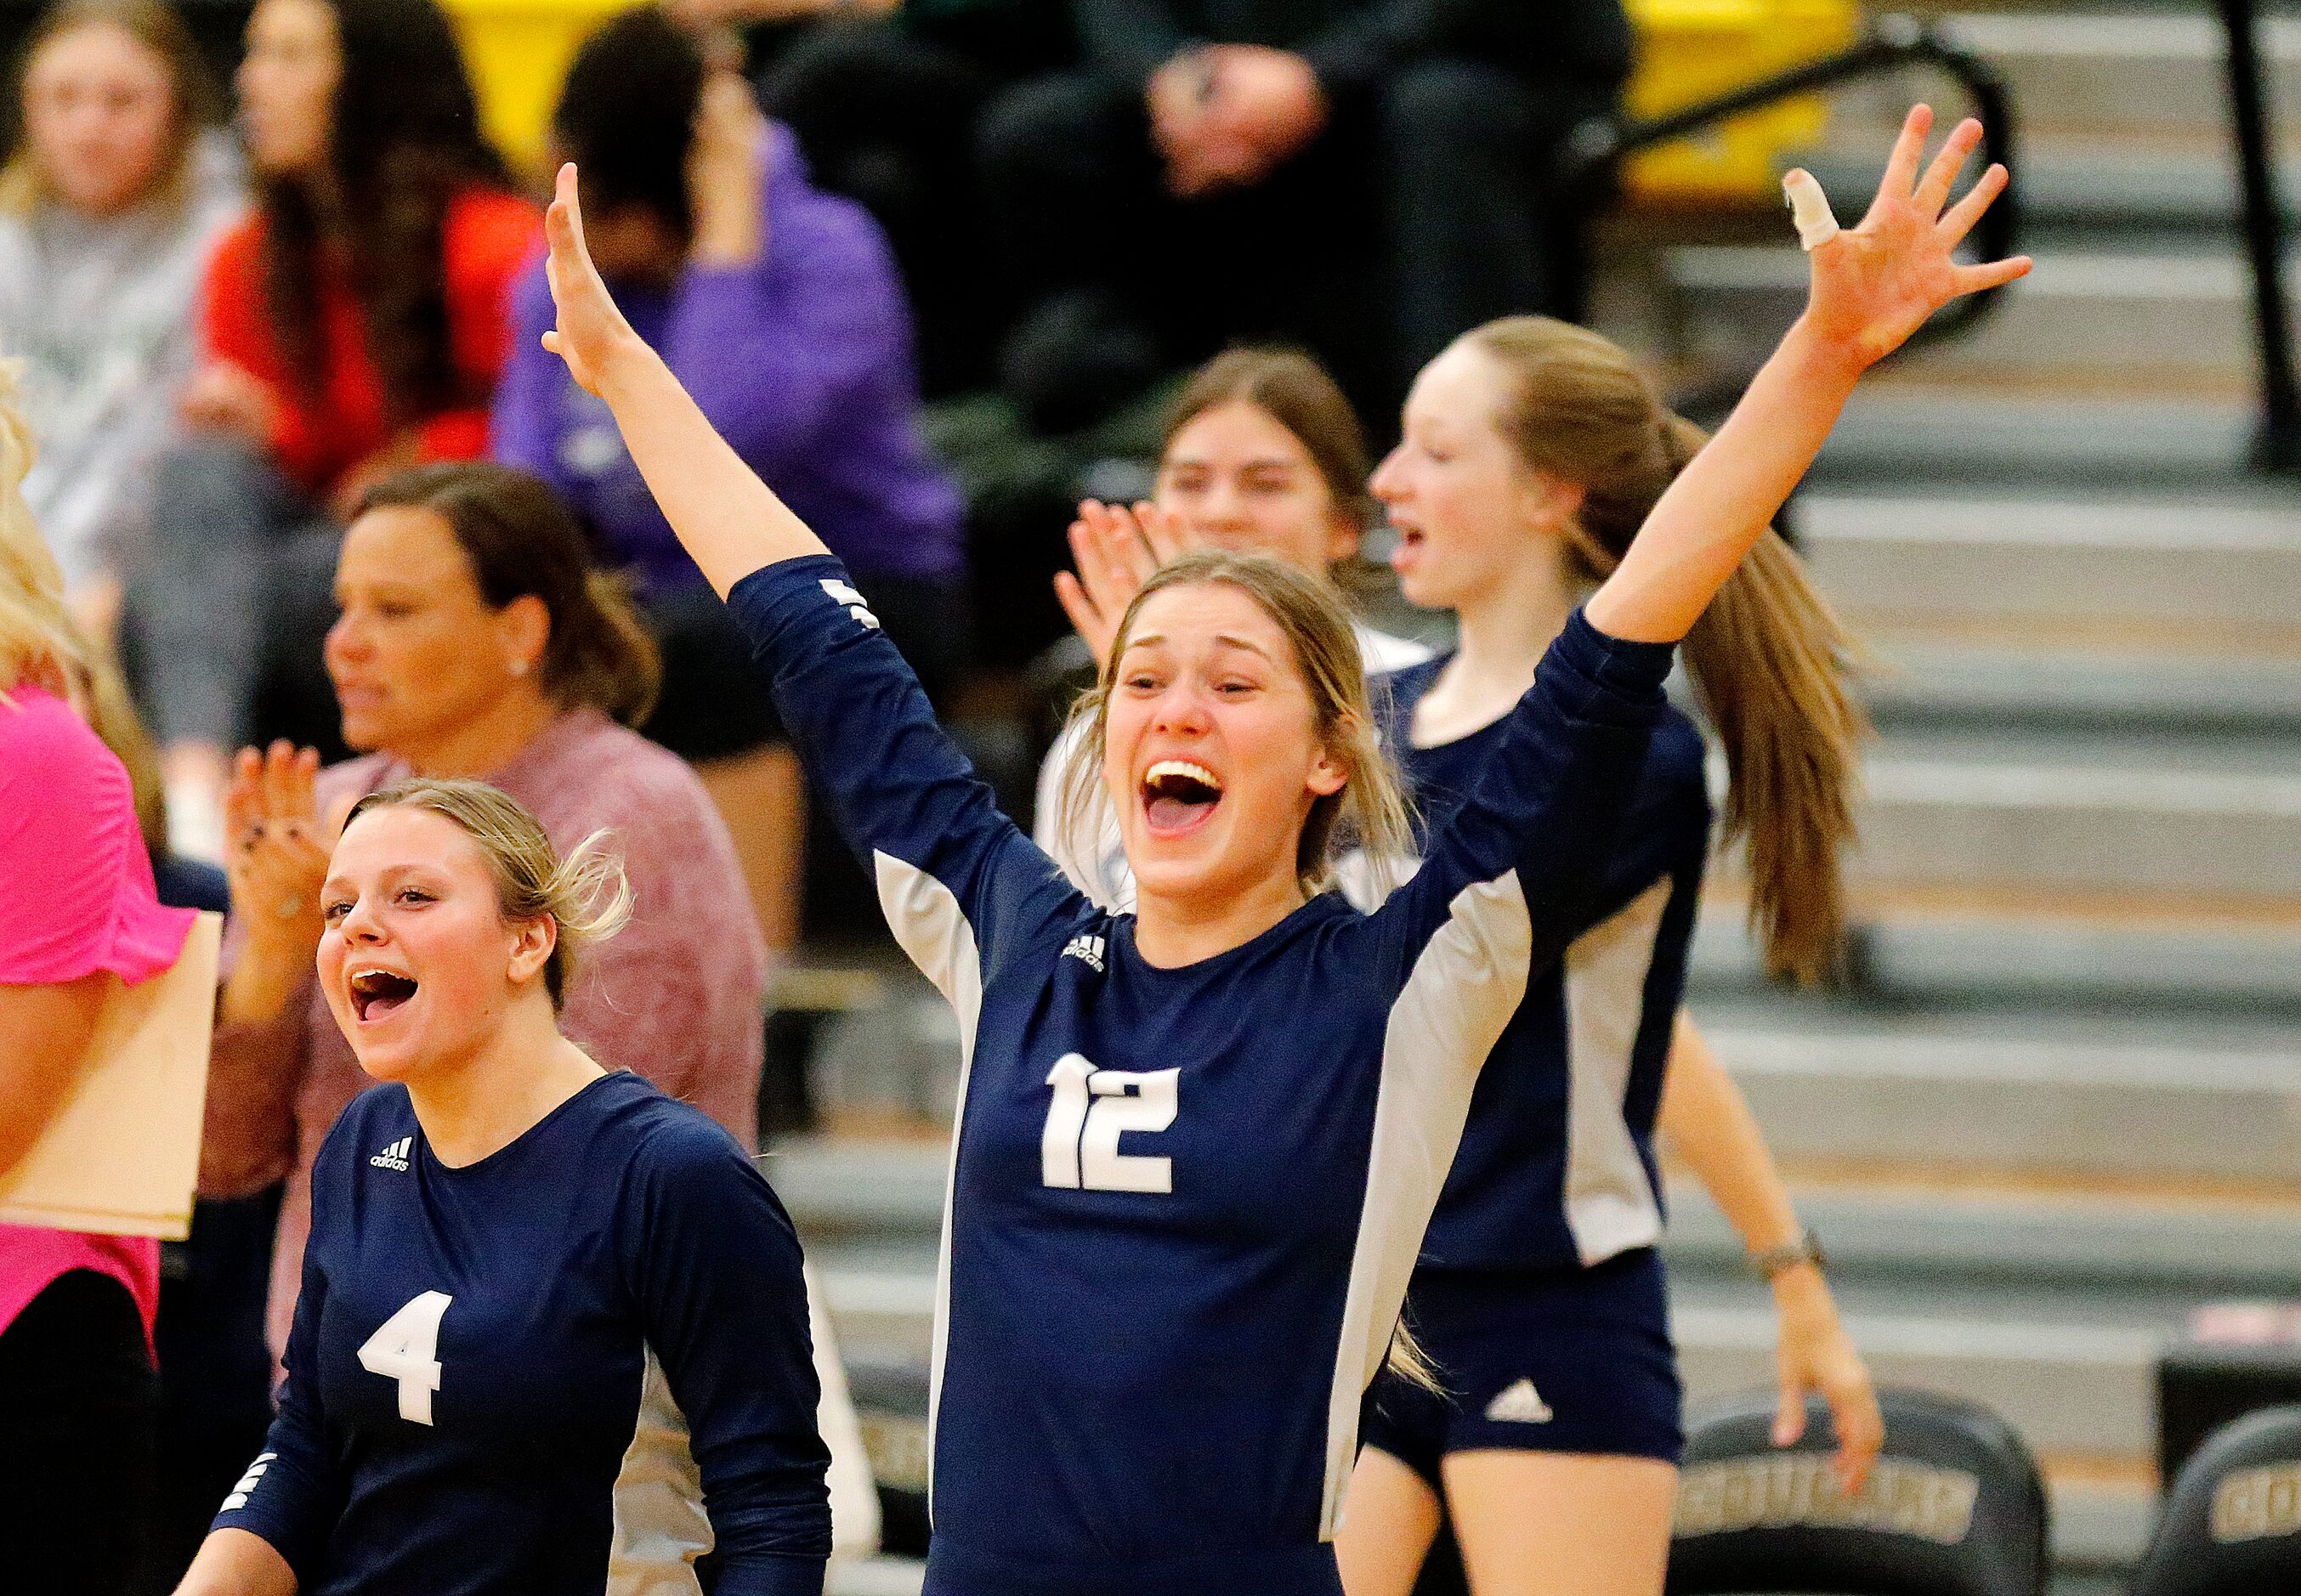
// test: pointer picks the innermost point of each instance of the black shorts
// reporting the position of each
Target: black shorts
(717, 703)
(1567, 1360)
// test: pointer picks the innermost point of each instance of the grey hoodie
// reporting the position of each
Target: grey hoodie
(105, 316)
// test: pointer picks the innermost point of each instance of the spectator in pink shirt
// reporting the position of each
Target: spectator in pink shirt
(77, 917)
(476, 640)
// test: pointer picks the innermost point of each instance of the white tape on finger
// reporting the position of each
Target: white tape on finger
(1808, 209)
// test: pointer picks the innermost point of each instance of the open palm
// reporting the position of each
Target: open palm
(1875, 284)
(590, 326)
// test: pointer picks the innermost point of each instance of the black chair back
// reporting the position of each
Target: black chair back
(1955, 1506)
(2233, 1523)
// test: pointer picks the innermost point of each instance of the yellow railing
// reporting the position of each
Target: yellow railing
(1687, 49)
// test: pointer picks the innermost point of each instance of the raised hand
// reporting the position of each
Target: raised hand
(276, 852)
(1116, 549)
(592, 330)
(1874, 284)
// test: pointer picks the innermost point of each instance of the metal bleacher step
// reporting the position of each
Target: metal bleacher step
(2085, 314)
(2070, 1098)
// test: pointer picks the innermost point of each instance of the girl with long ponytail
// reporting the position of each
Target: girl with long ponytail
(1531, 452)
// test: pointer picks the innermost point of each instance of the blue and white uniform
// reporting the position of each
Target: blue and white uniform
(577, 1365)
(1185, 1203)
(1539, 1295)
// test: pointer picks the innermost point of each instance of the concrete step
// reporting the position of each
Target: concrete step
(2093, 315)
(2095, 71)
(2036, 436)
(2220, 570)
(1922, 947)
(1932, 676)
(1919, 1094)
(2105, 814)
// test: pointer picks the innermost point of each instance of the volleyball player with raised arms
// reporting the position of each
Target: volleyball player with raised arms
(1198, 1145)
(552, 1335)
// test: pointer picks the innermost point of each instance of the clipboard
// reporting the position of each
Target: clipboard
(123, 1156)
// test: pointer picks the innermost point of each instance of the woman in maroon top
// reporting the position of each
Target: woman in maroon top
(476, 640)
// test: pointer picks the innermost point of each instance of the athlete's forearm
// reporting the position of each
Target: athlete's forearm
(730, 521)
(1727, 497)
(236, 1563)
(1708, 1124)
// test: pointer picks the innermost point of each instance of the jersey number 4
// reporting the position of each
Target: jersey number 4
(1091, 1108)
(406, 1348)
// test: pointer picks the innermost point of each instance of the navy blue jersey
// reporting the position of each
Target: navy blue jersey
(1183, 1203)
(1557, 1162)
(577, 1365)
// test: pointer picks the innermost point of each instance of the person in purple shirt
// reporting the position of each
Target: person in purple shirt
(781, 310)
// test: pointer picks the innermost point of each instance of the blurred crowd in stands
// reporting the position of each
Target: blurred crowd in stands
(928, 264)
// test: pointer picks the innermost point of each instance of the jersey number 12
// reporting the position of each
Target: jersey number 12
(406, 1348)
(1079, 1150)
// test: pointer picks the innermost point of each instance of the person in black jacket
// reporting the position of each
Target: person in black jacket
(1367, 177)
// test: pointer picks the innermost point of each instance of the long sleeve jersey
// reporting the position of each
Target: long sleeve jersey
(1184, 1202)
(578, 1365)
(1556, 1167)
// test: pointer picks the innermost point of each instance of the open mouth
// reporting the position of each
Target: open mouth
(1178, 796)
(376, 993)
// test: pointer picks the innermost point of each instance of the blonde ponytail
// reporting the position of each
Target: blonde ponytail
(1770, 663)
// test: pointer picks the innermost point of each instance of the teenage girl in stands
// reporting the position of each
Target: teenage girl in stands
(355, 324)
(1162, 1297)
(1529, 444)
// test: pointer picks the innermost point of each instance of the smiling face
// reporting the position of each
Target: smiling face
(1211, 750)
(286, 85)
(1243, 481)
(99, 113)
(1466, 508)
(416, 656)
(418, 963)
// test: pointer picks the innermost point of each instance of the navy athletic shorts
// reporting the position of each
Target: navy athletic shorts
(1566, 1360)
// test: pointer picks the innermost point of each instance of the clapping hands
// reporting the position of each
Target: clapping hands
(1116, 550)
(275, 847)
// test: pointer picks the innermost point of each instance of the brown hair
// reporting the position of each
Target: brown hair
(1296, 391)
(586, 895)
(193, 101)
(1369, 811)
(404, 143)
(1768, 659)
(522, 539)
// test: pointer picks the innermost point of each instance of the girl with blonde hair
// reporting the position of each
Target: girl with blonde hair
(1198, 1144)
(552, 1335)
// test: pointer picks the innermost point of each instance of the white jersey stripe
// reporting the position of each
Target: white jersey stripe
(1610, 1203)
(660, 1526)
(932, 929)
(1466, 985)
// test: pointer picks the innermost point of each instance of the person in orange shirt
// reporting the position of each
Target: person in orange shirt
(354, 324)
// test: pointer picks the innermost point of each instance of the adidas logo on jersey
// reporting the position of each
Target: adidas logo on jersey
(247, 1482)
(857, 605)
(395, 1157)
(1521, 1404)
(1086, 948)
